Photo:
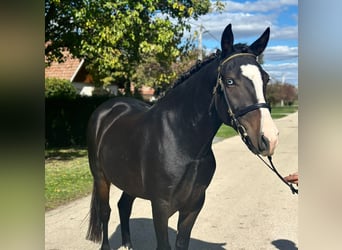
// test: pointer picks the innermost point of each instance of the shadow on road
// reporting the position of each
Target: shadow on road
(284, 244)
(143, 237)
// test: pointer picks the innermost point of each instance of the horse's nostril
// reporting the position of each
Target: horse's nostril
(264, 144)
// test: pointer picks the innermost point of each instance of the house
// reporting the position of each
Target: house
(73, 69)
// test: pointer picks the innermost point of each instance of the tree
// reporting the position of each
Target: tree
(277, 92)
(115, 36)
(158, 75)
(290, 94)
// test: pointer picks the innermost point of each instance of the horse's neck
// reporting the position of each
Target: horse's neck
(189, 106)
(198, 97)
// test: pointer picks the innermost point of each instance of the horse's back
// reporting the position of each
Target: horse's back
(112, 111)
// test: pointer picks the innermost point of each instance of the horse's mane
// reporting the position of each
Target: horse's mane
(242, 47)
(199, 64)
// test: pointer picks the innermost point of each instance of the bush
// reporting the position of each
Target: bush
(67, 114)
(66, 120)
(59, 88)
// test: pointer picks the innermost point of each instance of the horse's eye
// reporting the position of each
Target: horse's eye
(230, 82)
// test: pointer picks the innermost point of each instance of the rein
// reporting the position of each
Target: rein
(239, 127)
(273, 168)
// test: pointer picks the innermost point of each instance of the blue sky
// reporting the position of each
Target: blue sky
(249, 19)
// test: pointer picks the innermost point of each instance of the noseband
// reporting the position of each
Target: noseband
(235, 115)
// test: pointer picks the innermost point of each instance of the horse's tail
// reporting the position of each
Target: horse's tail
(99, 206)
(94, 232)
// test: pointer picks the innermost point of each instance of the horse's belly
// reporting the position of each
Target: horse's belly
(123, 169)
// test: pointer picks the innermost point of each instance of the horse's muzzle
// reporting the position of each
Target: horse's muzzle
(266, 147)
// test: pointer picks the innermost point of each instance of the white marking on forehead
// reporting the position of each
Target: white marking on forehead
(267, 126)
(252, 72)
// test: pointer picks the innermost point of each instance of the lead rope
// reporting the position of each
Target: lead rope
(273, 168)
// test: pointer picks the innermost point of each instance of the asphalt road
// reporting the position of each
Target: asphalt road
(247, 207)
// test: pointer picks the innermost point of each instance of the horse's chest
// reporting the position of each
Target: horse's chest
(193, 182)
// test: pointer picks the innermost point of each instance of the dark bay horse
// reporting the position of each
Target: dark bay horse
(163, 153)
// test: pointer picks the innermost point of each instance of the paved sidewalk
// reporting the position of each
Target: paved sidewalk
(247, 206)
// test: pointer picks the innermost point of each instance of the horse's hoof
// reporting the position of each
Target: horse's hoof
(105, 248)
(125, 248)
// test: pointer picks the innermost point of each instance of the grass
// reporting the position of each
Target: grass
(225, 131)
(277, 112)
(67, 174)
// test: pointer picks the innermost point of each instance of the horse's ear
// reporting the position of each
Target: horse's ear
(260, 44)
(227, 41)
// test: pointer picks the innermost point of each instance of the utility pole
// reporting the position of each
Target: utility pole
(200, 57)
(282, 83)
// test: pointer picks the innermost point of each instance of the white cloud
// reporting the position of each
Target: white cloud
(286, 71)
(281, 61)
(280, 53)
(258, 6)
(243, 24)
(285, 33)
(249, 20)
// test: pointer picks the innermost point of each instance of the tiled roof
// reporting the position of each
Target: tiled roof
(66, 70)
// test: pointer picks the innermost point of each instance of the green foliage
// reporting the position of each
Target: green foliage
(185, 62)
(152, 73)
(114, 36)
(59, 88)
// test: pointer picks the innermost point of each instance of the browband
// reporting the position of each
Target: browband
(236, 55)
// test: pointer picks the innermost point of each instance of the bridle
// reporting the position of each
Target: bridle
(233, 116)
(241, 112)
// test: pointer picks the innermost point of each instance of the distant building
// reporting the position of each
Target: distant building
(73, 69)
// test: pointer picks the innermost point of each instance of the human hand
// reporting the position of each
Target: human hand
(292, 178)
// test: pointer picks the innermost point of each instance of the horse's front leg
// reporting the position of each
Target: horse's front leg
(160, 211)
(186, 221)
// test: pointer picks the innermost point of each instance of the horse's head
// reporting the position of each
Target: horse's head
(240, 90)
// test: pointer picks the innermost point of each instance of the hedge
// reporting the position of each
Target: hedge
(59, 88)
(66, 120)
